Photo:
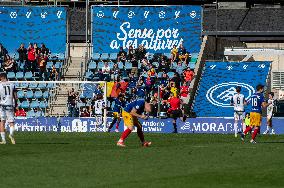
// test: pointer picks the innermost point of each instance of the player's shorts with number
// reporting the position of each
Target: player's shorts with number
(129, 120)
(255, 119)
(7, 113)
(239, 115)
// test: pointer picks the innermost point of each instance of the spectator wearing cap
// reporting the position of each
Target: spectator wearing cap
(22, 51)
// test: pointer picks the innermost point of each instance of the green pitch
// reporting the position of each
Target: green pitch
(174, 160)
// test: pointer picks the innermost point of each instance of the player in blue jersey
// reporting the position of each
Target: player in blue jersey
(257, 103)
(130, 114)
(119, 104)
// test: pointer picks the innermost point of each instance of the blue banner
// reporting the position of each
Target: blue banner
(152, 125)
(33, 25)
(158, 28)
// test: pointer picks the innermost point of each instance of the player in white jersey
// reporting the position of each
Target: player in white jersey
(8, 99)
(98, 109)
(270, 107)
(239, 102)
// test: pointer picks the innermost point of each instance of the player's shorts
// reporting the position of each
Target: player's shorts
(7, 114)
(175, 113)
(255, 119)
(238, 115)
(129, 120)
(116, 115)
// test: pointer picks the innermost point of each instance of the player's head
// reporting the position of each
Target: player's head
(3, 76)
(260, 88)
(238, 89)
(271, 95)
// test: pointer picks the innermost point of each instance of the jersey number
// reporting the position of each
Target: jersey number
(254, 102)
(238, 100)
(7, 90)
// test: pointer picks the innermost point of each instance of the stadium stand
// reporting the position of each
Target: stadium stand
(218, 83)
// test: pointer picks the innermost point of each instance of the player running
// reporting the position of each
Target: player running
(119, 104)
(8, 100)
(175, 110)
(238, 101)
(130, 115)
(257, 103)
(270, 107)
(98, 109)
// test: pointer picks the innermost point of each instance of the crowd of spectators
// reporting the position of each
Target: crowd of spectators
(153, 72)
(32, 59)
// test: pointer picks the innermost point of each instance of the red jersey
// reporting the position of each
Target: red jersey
(31, 54)
(174, 103)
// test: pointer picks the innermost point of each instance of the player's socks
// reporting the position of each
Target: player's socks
(124, 135)
(175, 127)
(244, 127)
(12, 130)
(236, 129)
(3, 137)
(248, 129)
(255, 132)
(140, 135)
(272, 131)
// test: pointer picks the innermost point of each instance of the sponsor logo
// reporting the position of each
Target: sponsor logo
(13, 15)
(100, 14)
(221, 94)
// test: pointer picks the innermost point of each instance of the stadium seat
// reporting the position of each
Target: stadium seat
(171, 74)
(156, 64)
(24, 85)
(34, 104)
(113, 56)
(128, 66)
(110, 64)
(38, 94)
(17, 85)
(120, 65)
(29, 94)
(104, 56)
(41, 86)
(49, 65)
(50, 85)
(150, 56)
(20, 94)
(96, 56)
(191, 65)
(174, 65)
(25, 104)
(100, 65)
(30, 114)
(168, 55)
(89, 75)
(92, 66)
(160, 74)
(58, 65)
(43, 104)
(33, 85)
(19, 75)
(11, 75)
(45, 94)
(28, 76)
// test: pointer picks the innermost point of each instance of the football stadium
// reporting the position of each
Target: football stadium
(131, 93)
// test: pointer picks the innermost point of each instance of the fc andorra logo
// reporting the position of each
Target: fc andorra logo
(221, 94)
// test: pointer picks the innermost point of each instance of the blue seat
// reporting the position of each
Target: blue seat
(24, 85)
(28, 75)
(45, 94)
(30, 114)
(11, 75)
(96, 56)
(29, 94)
(41, 86)
(19, 75)
(191, 65)
(89, 75)
(49, 65)
(120, 65)
(101, 64)
(171, 74)
(20, 94)
(113, 56)
(43, 104)
(92, 65)
(25, 104)
(17, 85)
(61, 56)
(150, 56)
(174, 65)
(38, 94)
(156, 64)
(33, 85)
(104, 56)
(168, 55)
(58, 65)
(34, 104)
(128, 65)
(160, 74)
(50, 86)
(110, 64)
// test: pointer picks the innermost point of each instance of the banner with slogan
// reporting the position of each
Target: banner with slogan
(158, 28)
(152, 125)
(33, 25)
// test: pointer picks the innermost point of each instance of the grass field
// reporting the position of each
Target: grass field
(174, 160)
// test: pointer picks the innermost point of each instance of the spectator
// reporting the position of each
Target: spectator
(132, 81)
(3, 51)
(184, 91)
(164, 66)
(72, 96)
(20, 112)
(164, 109)
(174, 53)
(9, 64)
(180, 68)
(131, 53)
(188, 76)
(84, 113)
(148, 83)
(53, 73)
(105, 73)
(121, 56)
(173, 89)
(140, 52)
(22, 53)
(44, 50)
(183, 55)
(42, 66)
(176, 79)
(154, 109)
(116, 72)
(164, 80)
(31, 58)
